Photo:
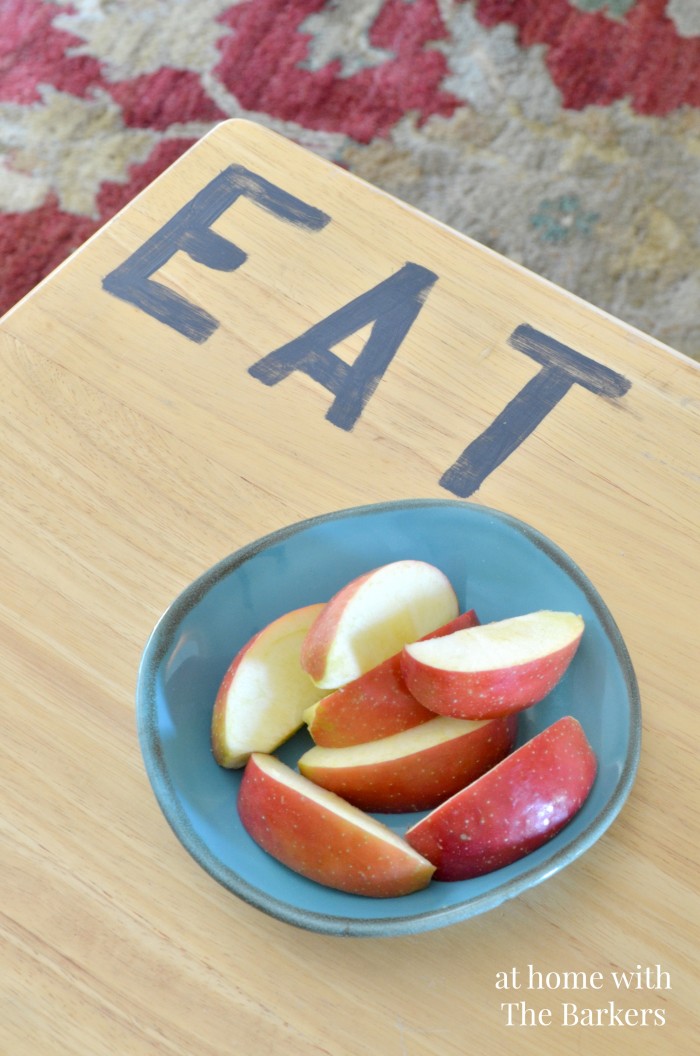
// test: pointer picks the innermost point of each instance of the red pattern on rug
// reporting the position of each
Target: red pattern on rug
(33, 52)
(164, 98)
(262, 66)
(594, 60)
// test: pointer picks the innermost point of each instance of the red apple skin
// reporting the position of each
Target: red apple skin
(326, 847)
(378, 703)
(315, 647)
(319, 641)
(517, 806)
(486, 694)
(423, 779)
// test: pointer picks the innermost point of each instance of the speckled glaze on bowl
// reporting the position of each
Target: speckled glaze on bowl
(499, 566)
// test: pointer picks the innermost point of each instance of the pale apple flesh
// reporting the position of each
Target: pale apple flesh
(514, 808)
(265, 692)
(375, 705)
(412, 770)
(495, 668)
(320, 836)
(373, 617)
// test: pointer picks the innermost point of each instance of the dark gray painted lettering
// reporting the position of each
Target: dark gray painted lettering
(190, 231)
(391, 306)
(562, 367)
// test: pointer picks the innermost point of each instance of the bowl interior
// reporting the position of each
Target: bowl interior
(497, 565)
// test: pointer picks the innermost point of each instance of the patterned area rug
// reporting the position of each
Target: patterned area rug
(565, 134)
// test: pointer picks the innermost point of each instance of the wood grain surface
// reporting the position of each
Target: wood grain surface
(135, 457)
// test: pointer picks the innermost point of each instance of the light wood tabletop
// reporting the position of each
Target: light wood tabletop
(165, 403)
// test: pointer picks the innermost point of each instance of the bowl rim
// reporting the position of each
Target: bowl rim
(167, 796)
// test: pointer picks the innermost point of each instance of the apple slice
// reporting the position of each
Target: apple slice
(265, 692)
(374, 705)
(495, 668)
(373, 617)
(521, 803)
(412, 770)
(316, 833)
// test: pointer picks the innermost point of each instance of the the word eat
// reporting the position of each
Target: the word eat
(389, 308)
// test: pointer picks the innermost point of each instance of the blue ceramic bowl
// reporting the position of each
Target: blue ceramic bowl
(499, 566)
